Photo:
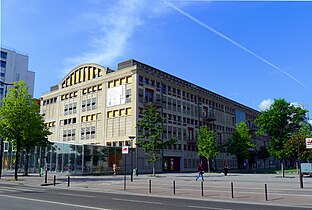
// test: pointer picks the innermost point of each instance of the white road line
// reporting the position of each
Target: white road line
(21, 189)
(206, 207)
(136, 201)
(86, 196)
(53, 202)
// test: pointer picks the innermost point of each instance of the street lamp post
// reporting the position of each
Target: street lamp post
(136, 159)
(131, 157)
(2, 146)
(297, 127)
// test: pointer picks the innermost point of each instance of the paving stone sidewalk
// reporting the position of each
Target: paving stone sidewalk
(248, 188)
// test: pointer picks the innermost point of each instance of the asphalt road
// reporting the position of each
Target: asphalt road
(15, 197)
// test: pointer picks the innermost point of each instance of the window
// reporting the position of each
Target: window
(149, 95)
(3, 63)
(4, 55)
(2, 74)
(140, 79)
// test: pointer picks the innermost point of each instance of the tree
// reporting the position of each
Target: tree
(298, 139)
(151, 138)
(263, 153)
(278, 122)
(206, 144)
(35, 135)
(18, 114)
(239, 143)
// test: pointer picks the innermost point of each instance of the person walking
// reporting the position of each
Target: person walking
(200, 172)
(114, 169)
(225, 168)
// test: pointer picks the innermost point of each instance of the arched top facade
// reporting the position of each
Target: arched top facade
(83, 73)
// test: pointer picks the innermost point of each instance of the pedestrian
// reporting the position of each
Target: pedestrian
(225, 168)
(114, 169)
(200, 172)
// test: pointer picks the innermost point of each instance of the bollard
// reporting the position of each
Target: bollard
(202, 188)
(54, 180)
(232, 189)
(150, 186)
(46, 177)
(174, 187)
(68, 181)
(266, 192)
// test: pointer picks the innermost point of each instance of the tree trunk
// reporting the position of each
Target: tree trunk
(16, 160)
(154, 173)
(26, 164)
(282, 167)
(264, 160)
(208, 163)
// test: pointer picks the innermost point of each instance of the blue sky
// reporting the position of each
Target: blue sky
(248, 51)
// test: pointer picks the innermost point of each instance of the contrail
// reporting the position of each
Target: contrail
(233, 42)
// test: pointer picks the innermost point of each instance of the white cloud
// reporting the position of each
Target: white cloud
(265, 104)
(115, 25)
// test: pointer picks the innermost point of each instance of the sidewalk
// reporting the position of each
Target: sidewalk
(248, 188)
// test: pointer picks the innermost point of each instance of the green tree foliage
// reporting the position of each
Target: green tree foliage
(278, 122)
(206, 144)
(21, 120)
(298, 139)
(263, 153)
(239, 143)
(151, 138)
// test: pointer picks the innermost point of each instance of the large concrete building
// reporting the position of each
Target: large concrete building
(99, 106)
(14, 67)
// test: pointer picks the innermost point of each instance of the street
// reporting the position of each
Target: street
(22, 197)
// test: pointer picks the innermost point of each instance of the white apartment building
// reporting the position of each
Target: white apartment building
(14, 67)
(99, 106)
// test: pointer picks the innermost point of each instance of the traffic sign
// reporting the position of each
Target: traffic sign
(125, 150)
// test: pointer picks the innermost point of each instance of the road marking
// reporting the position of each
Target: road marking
(15, 189)
(136, 201)
(53, 202)
(86, 196)
(206, 207)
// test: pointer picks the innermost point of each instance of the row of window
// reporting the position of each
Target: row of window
(50, 124)
(49, 101)
(86, 118)
(119, 112)
(121, 81)
(89, 118)
(69, 135)
(89, 104)
(92, 89)
(70, 108)
(88, 133)
(81, 75)
(168, 90)
(69, 95)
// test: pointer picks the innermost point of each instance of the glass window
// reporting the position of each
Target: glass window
(4, 55)
(2, 74)
(3, 64)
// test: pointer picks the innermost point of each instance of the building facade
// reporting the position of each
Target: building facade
(14, 67)
(99, 106)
